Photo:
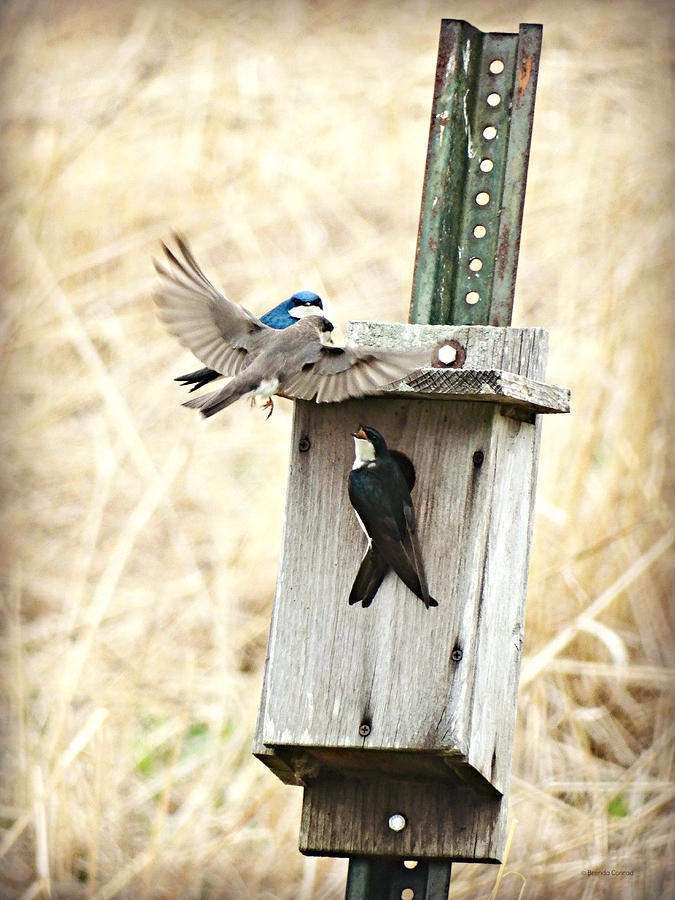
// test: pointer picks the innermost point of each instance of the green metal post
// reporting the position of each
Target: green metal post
(387, 879)
(476, 171)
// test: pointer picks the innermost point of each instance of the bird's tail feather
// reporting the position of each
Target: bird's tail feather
(368, 579)
(198, 379)
(209, 404)
(410, 577)
(412, 581)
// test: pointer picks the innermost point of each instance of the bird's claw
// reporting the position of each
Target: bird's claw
(269, 405)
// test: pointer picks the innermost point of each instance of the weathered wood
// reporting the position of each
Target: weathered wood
(367, 703)
(519, 350)
(349, 816)
(503, 365)
(391, 665)
(516, 351)
(505, 388)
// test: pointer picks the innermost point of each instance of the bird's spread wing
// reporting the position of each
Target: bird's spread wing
(218, 332)
(342, 372)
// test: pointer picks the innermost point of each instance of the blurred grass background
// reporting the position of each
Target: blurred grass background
(140, 545)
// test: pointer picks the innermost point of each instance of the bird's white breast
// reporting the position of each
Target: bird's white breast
(365, 453)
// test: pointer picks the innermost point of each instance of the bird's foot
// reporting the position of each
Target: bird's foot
(269, 405)
(252, 402)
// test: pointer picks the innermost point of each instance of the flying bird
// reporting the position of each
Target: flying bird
(304, 303)
(263, 360)
(379, 491)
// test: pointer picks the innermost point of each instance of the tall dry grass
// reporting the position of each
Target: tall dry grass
(140, 545)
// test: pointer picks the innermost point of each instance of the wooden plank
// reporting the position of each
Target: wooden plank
(503, 591)
(503, 365)
(522, 351)
(349, 816)
(485, 384)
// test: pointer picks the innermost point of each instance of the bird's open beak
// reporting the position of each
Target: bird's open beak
(360, 434)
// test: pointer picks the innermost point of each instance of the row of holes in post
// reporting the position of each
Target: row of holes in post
(482, 198)
(409, 893)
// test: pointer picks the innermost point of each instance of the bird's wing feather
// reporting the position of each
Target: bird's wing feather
(413, 551)
(342, 372)
(393, 533)
(218, 332)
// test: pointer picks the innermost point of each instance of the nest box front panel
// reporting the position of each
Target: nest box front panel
(396, 676)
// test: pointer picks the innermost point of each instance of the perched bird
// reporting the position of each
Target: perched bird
(304, 303)
(379, 491)
(374, 566)
(262, 360)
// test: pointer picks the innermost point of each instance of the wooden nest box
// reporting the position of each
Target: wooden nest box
(399, 720)
(396, 709)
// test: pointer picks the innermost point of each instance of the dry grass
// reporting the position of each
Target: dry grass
(140, 546)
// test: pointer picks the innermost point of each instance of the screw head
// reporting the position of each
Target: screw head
(304, 444)
(364, 729)
(456, 655)
(397, 822)
(450, 355)
(478, 458)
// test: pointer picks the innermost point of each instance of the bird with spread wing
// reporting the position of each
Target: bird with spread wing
(298, 361)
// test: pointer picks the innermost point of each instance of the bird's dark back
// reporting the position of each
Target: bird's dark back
(378, 492)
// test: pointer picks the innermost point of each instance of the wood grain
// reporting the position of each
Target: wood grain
(349, 817)
(333, 667)
(360, 704)
(520, 350)
(505, 388)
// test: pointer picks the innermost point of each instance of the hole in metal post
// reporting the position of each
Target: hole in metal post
(407, 894)
(410, 863)
(475, 264)
(479, 231)
(496, 67)
(494, 99)
(482, 198)
(490, 133)
(472, 297)
(486, 165)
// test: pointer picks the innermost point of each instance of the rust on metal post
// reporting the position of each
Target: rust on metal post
(476, 171)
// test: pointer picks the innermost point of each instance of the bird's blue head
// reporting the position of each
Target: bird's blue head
(304, 303)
